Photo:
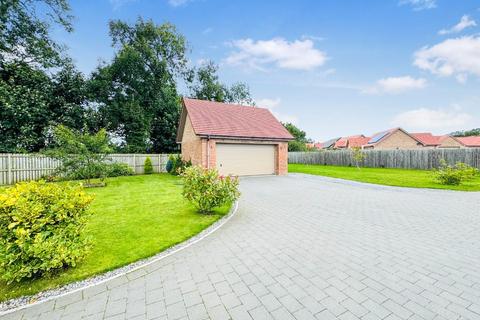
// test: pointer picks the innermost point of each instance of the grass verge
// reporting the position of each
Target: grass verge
(133, 218)
(390, 177)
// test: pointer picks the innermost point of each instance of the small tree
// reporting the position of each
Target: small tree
(147, 166)
(358, 156)
(81, 155)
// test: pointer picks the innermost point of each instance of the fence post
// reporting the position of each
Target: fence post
(159, 164)
(9, 168)
(134, 164)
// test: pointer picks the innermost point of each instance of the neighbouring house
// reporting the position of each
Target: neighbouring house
(470, 142)
(310, 145)
(318, 146)
(395, 138)
(341, 143)
(330, 144)
(351, 142)
(358, 141)
(430, 141)
(234, 139)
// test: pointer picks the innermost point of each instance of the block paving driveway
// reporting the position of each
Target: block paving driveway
(306, 247)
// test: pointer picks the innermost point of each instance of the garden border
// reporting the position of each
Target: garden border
(16, 304)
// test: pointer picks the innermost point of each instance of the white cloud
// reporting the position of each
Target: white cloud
(432, 119)
(457, 57)
(268, 103)
(271, 104)
(178, 3)
(420, 4)
(119, 3)
(465, 22)
(312, 37)
(207, 31)
(396, 85)
(296, 55)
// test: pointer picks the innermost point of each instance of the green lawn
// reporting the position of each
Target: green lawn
(134, 218)
(389, 177)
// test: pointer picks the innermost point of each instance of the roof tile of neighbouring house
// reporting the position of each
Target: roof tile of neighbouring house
(473, 141)
(428, 139)
(341, 143)
(358, 142)
(229, 120)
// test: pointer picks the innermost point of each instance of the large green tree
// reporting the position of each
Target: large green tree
(31, 101)
(137, 89)
(39, 86)
(205, 85)
(24, 30)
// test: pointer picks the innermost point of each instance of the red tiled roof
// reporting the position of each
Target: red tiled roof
(318, 145)
(473, 141)
(358, 142)
(428, 139)
(351, 141)
(341, 143)
(228, 120)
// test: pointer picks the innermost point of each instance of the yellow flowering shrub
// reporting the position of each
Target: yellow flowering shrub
(41, 228)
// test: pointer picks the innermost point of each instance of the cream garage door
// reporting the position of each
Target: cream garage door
(245, 159)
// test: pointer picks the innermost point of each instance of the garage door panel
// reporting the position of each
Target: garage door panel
(245, 159)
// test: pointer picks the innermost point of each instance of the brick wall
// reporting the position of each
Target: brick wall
(282, 158)
(450, 142)
(191, 144)
(398, 140)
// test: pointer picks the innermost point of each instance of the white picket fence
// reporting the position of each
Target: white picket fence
(15, 167)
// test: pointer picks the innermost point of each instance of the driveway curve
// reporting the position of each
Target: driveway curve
(307, 247)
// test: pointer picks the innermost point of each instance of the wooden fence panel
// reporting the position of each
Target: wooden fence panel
(425, 159)
(16, 167)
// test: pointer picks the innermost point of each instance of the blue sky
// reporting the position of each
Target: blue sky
(332, 67)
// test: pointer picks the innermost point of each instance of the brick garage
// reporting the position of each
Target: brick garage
(234, 139)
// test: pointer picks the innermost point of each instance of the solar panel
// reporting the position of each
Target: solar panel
(378, 137)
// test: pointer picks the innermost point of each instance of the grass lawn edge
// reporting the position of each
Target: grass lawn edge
(420, 180)
(24, 302)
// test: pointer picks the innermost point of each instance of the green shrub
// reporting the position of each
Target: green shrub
(94, 170)
(468, 172)
(41, 228)
(454, 174)
(118, 169)
(207, 190)
(147, 166)
(176, 165)
(297, 146)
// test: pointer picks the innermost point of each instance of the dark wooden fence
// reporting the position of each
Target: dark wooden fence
(407, 159)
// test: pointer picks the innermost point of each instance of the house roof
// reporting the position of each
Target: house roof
(358, 141)
(428, 139)
(341, 143)
(472, 141)
(380, 136)
(217, 119)
(329, 143)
